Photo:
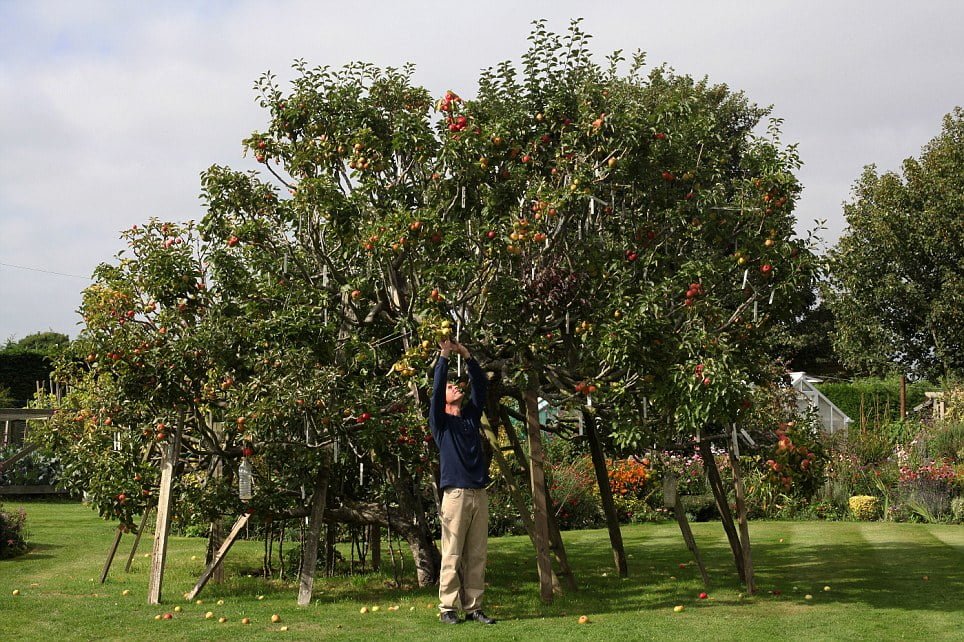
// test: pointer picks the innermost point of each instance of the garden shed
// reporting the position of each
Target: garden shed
(831, 417)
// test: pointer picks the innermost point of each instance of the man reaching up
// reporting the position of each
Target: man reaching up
(457, 431)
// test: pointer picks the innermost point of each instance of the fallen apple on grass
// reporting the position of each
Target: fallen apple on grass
(679, 608)
(583, 619)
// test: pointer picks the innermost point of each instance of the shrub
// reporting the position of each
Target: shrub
(948, 443)
(864, 507)
(572, 487)
(797, 460)
(12, 537)
(33, 470)
(957, 509)
(927, 490)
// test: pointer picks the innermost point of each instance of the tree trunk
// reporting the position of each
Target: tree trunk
(538, 479)
(425, 552)
(606, 495)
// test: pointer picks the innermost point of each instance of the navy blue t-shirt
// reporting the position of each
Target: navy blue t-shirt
(459, 439)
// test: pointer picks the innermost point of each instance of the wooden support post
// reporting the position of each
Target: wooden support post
(219, 556)
(742, 513)
(558, 549)
(110, 554)
(556, 545)
(671, 499)
(515, 491)
(162, 528)
(903, 397)
(17, 456)
(606, 495)
(722, 504)
(538, 480)
(310, 559)
(137, 537)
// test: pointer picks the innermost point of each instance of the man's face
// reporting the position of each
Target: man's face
(454, 391)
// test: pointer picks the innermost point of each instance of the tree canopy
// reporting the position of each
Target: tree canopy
(897, 275)
(607, 240)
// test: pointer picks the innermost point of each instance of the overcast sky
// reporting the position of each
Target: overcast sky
(109, 111)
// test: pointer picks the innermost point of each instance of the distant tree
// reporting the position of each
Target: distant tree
(806, 342)
(46, 343)
(25, 362)
(897, 275)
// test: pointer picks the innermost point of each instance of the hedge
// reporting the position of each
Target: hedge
(881, 398)
(20, 372)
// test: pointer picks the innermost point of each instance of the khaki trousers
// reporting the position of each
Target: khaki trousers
(465, 531)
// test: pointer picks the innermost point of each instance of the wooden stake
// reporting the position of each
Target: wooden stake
(137, 537)
(722, 504)
(110, 555)
(219, 556)
(742, 513)
(606, 496)
(308, 566)
(538, 479)
(671, 499)
(903, 397)
(162, 529)
(515, 491)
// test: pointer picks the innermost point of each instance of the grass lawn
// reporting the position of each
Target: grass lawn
(875, 573)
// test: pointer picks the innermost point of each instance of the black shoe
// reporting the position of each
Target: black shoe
(449, 617)
(479, 616)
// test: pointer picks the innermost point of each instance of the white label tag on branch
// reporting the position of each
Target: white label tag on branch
(746, 274)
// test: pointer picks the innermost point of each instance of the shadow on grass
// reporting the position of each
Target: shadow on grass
(888, 575)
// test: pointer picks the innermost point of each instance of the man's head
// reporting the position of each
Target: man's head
(454, 392)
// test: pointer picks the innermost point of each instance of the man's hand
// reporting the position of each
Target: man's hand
(448, 346)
